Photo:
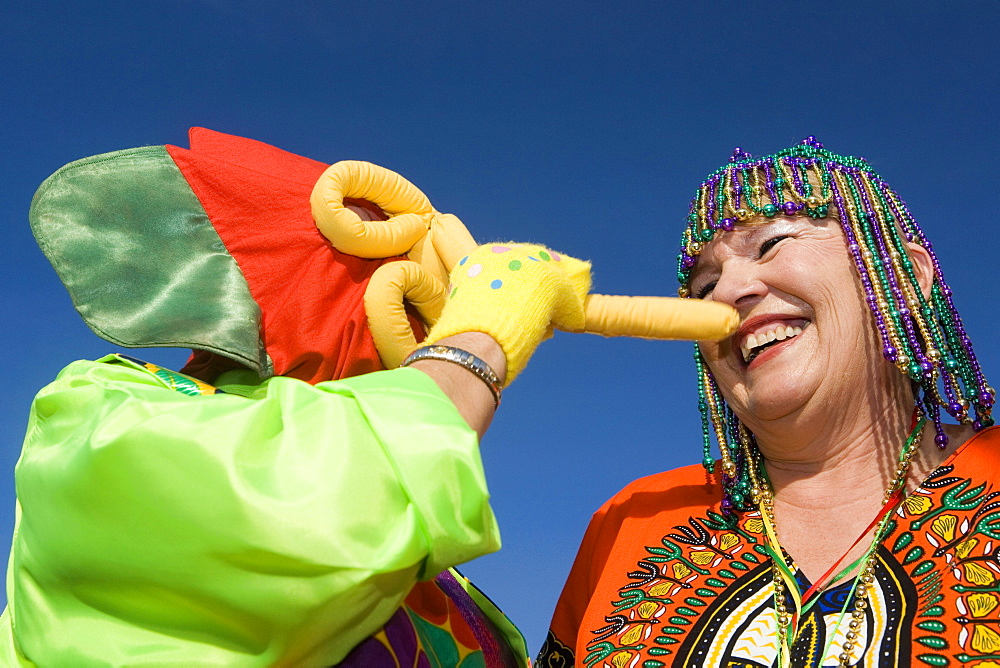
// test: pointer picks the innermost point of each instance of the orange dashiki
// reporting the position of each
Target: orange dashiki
(663, 578)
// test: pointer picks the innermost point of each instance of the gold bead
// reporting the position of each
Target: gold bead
(812, 202)
(696, 247)
(933, 354)
(743, 214)
(684, 291)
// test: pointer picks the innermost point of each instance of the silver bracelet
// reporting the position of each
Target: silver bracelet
(464, 359)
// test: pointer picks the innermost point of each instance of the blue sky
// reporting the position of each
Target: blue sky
(572, 124)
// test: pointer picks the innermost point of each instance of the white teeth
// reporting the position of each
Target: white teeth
(752, 341)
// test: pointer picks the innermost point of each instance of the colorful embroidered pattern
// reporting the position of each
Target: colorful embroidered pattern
(703, 596)
(438, 626)
(175, 381)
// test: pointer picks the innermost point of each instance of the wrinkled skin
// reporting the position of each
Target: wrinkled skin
(829, 414)
(792, 272)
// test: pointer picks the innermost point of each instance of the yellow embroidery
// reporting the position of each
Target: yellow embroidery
(985, 639)
(982, 604)
(646, 609)
(727, 540)
(633, 635)
(660, 589)
(621, 658)
(702, 558)
(944, 526)
(979, 575)
(681, 571)
(917, 505)
(964, 548)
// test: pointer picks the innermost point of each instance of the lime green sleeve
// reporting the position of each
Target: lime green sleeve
(160, 528)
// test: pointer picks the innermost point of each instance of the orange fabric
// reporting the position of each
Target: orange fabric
(639, 593)
(310, 295)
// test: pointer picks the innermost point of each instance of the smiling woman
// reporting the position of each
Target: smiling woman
(836, 529)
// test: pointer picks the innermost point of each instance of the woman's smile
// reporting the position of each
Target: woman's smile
(767, 333)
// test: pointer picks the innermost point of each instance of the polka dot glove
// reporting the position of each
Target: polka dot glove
(515, 293)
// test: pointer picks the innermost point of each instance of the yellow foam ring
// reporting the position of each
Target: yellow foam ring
(390, 287)
(659, 317)
(408, 208)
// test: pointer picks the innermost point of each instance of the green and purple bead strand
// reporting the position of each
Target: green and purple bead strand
(922, 336)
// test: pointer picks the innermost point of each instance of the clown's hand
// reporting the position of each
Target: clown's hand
(515, 293)
(518, 292)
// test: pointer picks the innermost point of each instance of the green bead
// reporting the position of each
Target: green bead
(916, 372)
(707, 234)
(769, 210)
(951, 364)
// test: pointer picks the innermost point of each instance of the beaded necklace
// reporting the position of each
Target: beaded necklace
(783, 576)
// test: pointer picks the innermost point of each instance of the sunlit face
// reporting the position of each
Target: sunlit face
(806, 335)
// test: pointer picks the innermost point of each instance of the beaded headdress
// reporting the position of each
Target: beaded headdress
(923, 337)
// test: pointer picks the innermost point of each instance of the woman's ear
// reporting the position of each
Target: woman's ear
(923, 267)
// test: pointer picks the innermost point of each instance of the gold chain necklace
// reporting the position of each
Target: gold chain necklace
(787, 622)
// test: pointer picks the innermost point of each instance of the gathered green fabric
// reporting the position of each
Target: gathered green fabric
(159, 528)
(141, 260)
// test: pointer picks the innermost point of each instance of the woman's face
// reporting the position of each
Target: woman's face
(806, 335)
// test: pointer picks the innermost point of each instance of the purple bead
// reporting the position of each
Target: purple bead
(941, 439)
(985, 399)
(977, 425)
(728, 223)
(790, 208)
(926, 365)
(727, 505)
(687, 261)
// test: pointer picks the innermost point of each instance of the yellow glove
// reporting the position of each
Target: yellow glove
(434, 242)
(515, 293)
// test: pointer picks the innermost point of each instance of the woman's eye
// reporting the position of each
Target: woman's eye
(705, 291)
(770, 243)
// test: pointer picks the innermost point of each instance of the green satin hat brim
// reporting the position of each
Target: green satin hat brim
(141, 261)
